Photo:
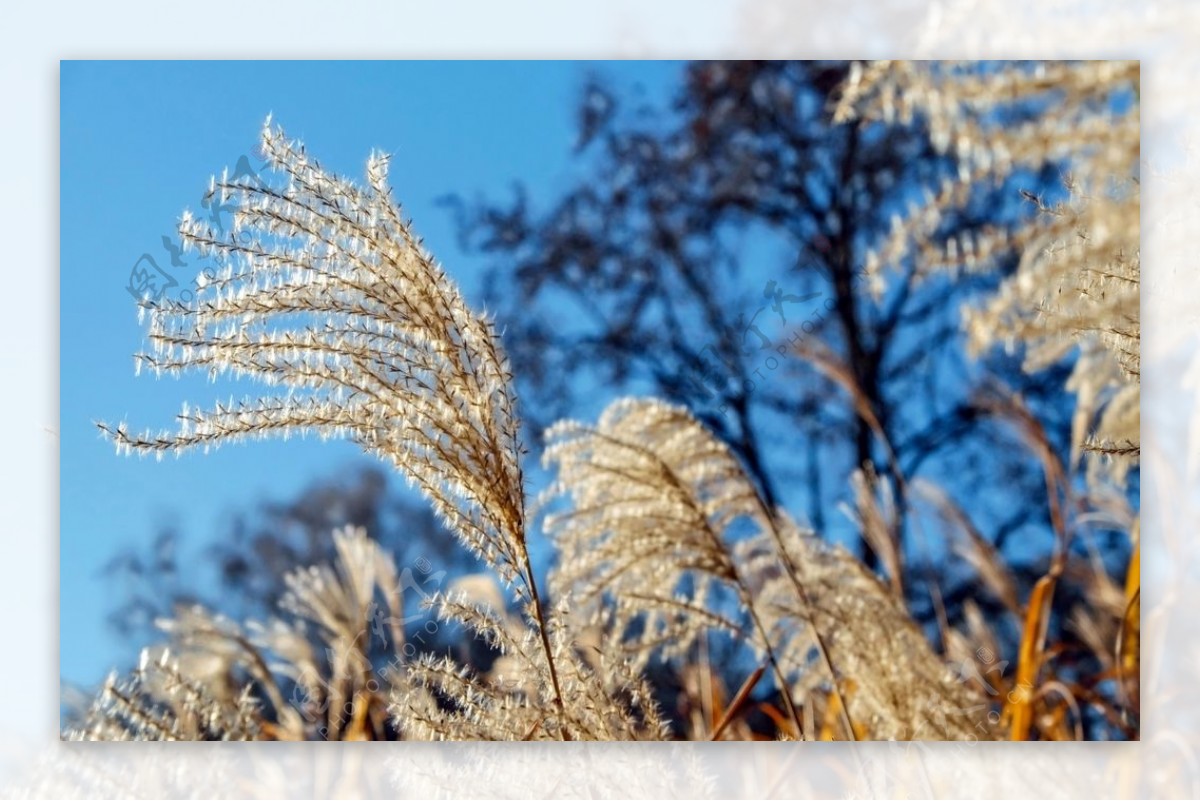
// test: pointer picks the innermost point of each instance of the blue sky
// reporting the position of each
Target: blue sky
(139, 141)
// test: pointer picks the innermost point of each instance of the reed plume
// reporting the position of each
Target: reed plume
(664, 522)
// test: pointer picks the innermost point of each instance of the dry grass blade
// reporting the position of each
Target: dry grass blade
(738, 703)
(1019, 706)
(974, 548)
(1128, 651)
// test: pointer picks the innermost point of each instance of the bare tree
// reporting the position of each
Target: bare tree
(715, 253)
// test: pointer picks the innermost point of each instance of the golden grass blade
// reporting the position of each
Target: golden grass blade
(739, 701)
(1019, 706)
